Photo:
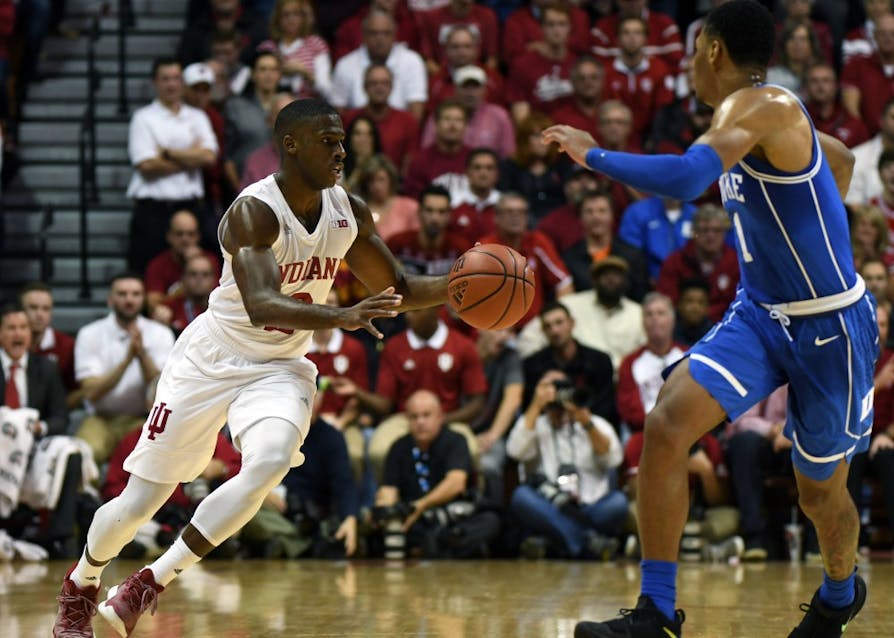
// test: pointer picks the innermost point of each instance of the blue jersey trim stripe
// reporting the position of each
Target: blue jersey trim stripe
(788, 240)
(822, 223)
(722, 371)
(850, 378)
(787, 179)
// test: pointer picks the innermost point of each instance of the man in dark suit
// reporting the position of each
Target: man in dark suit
(31, 380)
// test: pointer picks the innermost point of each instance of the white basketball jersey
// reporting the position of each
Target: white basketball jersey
(308, 263)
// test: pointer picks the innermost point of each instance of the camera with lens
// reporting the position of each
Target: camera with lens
(382, 514)
(564, 394)
(391, 519)
(565, 491)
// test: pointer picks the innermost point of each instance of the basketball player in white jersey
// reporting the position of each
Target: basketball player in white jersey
(242, 362)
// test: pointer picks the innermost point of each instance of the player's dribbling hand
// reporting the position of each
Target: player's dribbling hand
(361, 315)
(570, 140)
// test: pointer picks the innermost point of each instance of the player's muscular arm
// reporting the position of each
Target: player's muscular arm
(372, 262)
(841, 161)
(250, 231)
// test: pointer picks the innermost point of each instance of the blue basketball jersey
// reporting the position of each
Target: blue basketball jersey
(791, 229)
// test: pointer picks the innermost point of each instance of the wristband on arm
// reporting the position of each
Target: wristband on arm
(682, 177)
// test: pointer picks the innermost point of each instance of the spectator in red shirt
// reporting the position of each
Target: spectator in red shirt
(398, 130)
(706, 255)
(462, 47)
(428, 355)
(489, 125)
(432, 249)
(199, 279)
(473, 211)
(642, 82)
(582, 111)
(37, 300)
(435, 25)
(264, 161)
(616, 134)
(553, 280)
(164, 272)
(859, 41)
(540, 80)
(338, 355)
(663, 39)
(522, 31)
(444, 161)
(639, 375)
(879, 461)
(825, 109)
(197, 81)
(798, 11)
(562, 225)
(349, 34)
(867, 82)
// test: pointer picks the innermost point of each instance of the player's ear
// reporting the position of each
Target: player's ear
(290, 144)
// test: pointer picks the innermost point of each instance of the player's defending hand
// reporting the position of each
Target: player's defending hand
(573, 141)
(362, 314)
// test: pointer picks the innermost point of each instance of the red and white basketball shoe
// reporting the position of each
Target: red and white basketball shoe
(127, 602)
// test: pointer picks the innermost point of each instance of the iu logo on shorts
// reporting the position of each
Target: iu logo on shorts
(158, 420)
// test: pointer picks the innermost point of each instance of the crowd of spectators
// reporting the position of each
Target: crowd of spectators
(444, 440)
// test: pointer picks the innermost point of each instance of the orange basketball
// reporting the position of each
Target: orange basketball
(490, 287)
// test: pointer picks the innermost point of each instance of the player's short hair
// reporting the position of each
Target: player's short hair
(695, 283)
(34, 286)
(9, 308)
(165, 60)
(747, 29)
(634, 19)
(450, 103)
(595, 194)
(481, 150)
(298, 112)
(554, 305)
(709, 212)
(887, 157)
(124, 274)
(436, 190)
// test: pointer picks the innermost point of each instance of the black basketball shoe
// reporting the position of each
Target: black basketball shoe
(646, 621)
(822, 622)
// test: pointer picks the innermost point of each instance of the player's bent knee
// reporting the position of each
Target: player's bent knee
(660, 430)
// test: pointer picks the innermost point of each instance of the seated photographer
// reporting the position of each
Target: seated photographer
(313, 514)
(569, 499)
(426, 477)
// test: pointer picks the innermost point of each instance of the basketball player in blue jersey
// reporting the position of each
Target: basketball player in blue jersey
(242, 362)
(802, 316)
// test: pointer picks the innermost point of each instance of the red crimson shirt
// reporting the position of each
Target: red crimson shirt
(639, 380)
(571, 114)
(645, 88)
(663, 38)
(440, 87)
(839, 124)
(184, 311)
(343, 356)
(545, 84)
(164, 272)
(544, 260)
(709, 443)
(421, 260)
(684, 264)
(398, 132)
(522, 28)
(447, 364)
(431, 164)
(875, 83)
(59, 347)
(470, 222)
(349, 35)
(435, 26)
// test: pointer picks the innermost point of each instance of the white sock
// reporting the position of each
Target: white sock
(85, 574)
(177, 558)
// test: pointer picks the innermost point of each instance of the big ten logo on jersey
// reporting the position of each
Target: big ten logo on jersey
(308, 269)
(729, 187)
(158, 420)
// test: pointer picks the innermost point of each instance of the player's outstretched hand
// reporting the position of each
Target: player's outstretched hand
(573, 141)
(362, 314)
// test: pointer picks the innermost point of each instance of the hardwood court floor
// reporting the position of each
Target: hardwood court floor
(441, 599)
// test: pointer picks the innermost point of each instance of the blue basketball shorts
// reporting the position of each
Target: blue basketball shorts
(828, 360)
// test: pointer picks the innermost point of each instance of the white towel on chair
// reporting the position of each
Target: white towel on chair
(43, 481)
(16, 440)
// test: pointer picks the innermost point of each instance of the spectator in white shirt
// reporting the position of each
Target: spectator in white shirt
(169, 143)
(117, 359)
(410, 91)
(866, 183)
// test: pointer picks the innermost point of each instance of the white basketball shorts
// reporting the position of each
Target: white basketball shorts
(205, 384)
